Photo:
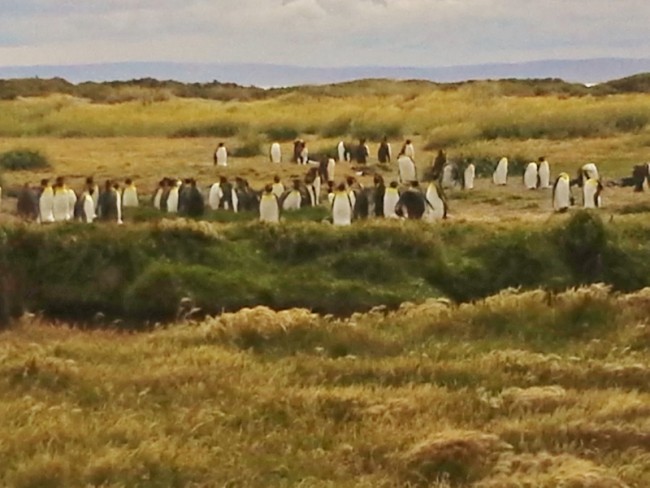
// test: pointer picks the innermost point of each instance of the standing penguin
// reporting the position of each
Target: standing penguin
(221, 155)
(87, 207)
(562, 193)
(342, 152)
(278, 187)
(341, 207)
(61, 202)
(531, 176)
(500, 176)
(591, 191)
(214, 196)
(293, 199)
(157, 197)
(331, 170)
(108, 204)
(378, 194)
(384, 153)
(130, 195)
(437, 208)
(408, 149)
(412, 203)
(391, 197)
(46, 202)
(544, 174)
(448, 176)
(276, 153)
(173, 198)
(269, 206)
(407, 171)
(468, 177)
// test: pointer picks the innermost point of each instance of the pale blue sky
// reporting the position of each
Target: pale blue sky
(321, 32)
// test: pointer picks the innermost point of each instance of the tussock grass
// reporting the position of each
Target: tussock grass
(283, 397)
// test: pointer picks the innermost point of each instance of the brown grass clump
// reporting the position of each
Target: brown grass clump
(545, 470)
(455, 455)
(537, 398)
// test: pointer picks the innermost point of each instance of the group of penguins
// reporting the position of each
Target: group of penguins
(348, 201)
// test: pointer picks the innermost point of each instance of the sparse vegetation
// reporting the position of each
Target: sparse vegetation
(23, 160)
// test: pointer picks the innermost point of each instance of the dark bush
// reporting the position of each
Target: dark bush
(23, 160)
(282, 133)
(249, 149)
(583, 241)
(155, 294)
(340, 127)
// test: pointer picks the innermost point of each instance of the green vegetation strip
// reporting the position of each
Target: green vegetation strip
(141, 273)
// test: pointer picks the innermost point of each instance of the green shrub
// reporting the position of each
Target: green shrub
(583, 241)
(249, 149)
(155, 294)
(282, 133)
(376, 131)
(23, 160)
(340, 127)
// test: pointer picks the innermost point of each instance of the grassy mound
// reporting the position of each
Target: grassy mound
(23, 160)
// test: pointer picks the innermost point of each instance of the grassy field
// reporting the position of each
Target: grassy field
(518, 390)
(423, 367)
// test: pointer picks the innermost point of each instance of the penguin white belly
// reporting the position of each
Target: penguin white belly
(448, 176)
(215, 196)
(390, 202)
(222, 156)
(130, 198)
(278, 189)
(118, 199)
(60, 206)
(317, 189)
(544, 175)
(46, 207)
(530, 176)
(500, 176)
(406, 169)
(276, 153)
(589, 194)
(562, 196)
(292, 201)
(341, 210)
(269, 209)
(470, 174)
(157, 198)
(331, 169)
(172, 201)
(89, 209)
(341, 149)
(436, 211)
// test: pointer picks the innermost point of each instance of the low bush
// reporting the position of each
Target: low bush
(248, 149)
(23, 160)
(282, 133)
(217, 129)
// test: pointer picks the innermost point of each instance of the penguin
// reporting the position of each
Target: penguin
(93, 190)
(276, 153)
(27, 205)
(562, 193)
(412, 203)
(448, 180)
(172, 199)
(195, 204)
(88, 214)
(342, 207)
(46, 203)
(72, 202)
(544, 174)
(108, 209)
(384, 153)
(531, 176)
(304, 154)
(269, 206)
(130, 195)
(378, 193)
(589, 171)
(437, 207)
(293, 199)
(331, 169)
(317, 184)
(408, 149)
(214, 196)
(391, 197)
(157, 197)
(407, 171)
(341, 152)
(500, 176)
(118, 202)
(221, 155)
(468, 177)
(591, 191)
(61, 202)
(277, 188)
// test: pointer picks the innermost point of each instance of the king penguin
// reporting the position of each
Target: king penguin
(468, 177)
(341, 207)
(531, 176)
(276, 153)
(269, 206)
(500, 176)
(562, 193)
(391, 197)
(172, 199)
(46, 203)
(591, 193)
(544, 174)
(437, 208)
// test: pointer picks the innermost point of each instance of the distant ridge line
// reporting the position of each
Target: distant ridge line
(586, 71)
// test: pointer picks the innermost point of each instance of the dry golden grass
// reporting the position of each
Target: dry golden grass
(195, 405)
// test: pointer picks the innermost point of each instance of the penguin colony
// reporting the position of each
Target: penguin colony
(348, 201)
